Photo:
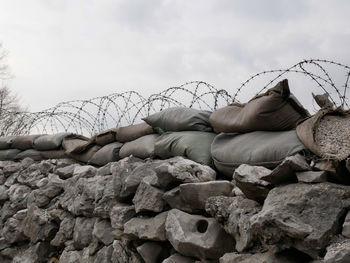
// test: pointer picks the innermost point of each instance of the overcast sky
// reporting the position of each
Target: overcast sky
(63, 50)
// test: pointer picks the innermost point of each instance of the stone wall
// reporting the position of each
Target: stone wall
(172, 210)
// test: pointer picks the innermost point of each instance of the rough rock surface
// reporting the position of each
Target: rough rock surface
(346, 226)
(338, 252)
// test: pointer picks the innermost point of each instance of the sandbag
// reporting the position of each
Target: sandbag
(74, 143)
(5, 142)
(327, 133)
(108, 153)
(260, 148)
(8, 155)
(194, 145)
(180, 119)
(133, 132)
(50, 142)
(275, 110)
(31, 153)
(85, 155)
(142, 147)
(24, 142)
(105, 137)
(54, 154)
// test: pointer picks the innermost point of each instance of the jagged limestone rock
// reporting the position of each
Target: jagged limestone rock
(338, 252)
(103, 232)
(120, 214)
(82, 233)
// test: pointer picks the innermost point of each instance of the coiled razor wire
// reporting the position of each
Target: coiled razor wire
(89, 117)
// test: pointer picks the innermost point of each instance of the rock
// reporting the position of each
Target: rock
(37, 225)
(312, 177)
(123, 253)
(18, 196)
(185, 171)
(3, 193)
(85, 171)
(11, 180)
(346, 226)
(148, 197)
(338, 252)
(66, 171)
(152, 252)
(197, 236)
(147, 228)
(103, 232)
(11, 230)
(235, 214)
(177, 258)
(174, 200)
(11, 168)
(65, 231)
(2, 177)
(104, 170)
(71, 257)
(26, 162)
(120, 214)
(82, 234)
(336, 170)
(303, 216)
(285, 172)
(248, 179)
(37, 253)
(104, 255)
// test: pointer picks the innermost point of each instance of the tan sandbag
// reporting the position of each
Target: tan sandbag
(55, 154)
(24, 142)
(142, 147)
(86, 155)
(133, 132)
(275, 110)
(327, 133)
(75, 143)
(105, 137)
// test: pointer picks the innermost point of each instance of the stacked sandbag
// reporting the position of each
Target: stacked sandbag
(259, 148)
(143, 147)
(275, 110)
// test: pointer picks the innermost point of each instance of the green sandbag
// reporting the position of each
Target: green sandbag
(180, 119)
(142, 147)
(5, 142)
(84, 156)
(260, 148)
(50, 142)
(194, 145)
(108, 153)
(9, 154)
(31, 153)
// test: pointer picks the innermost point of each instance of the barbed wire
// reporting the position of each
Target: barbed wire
(97, 114)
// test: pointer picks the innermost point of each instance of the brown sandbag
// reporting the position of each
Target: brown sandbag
(75, 143)
(275, 110)
(86, 155)
(133, 132)
(327, 133)
(105, 137)
(24, 142)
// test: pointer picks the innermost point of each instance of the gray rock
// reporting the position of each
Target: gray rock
(249, 180)
(174, 200)
(185, 171)
(120, 214)
(82, 234)
(285, 172)
(152, 252)
(338, 252)
(66, 171)
(104, 255)
(12, 228)
(71, 257)
(37, 225)
(346, 226)
(122, 253)
(235, 214)
(148, 197)
(147, 228)
(37, 253)
(18, 196)
(303, 216)
(65, 231)
(267, 257)
(3, 193)
(10, 168)
(177, 258)
(2, 177)
(85, 171)
(103, 232)
(312, 176)
(104, 170)
(11, 180)
(197, 236)
(26, 162)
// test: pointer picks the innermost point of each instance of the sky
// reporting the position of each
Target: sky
(61, 50)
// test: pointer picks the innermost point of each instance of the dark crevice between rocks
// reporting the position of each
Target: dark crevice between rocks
(296, 255)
